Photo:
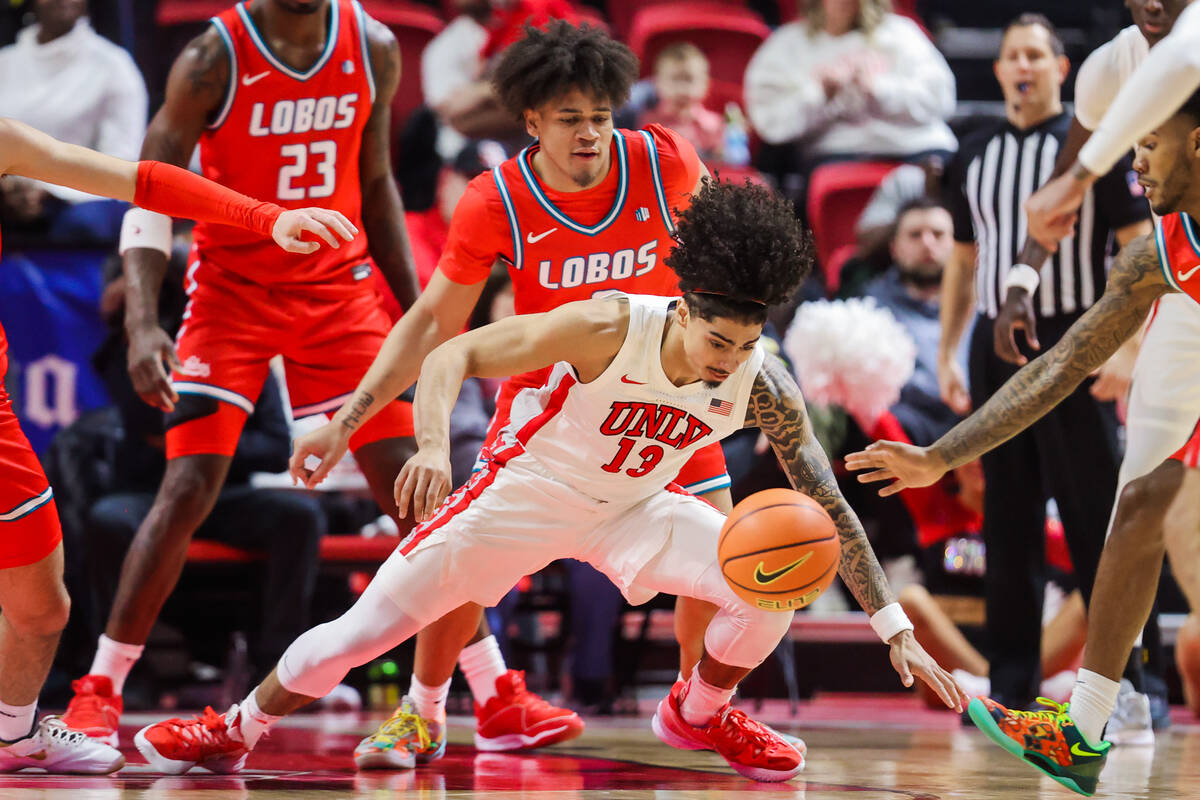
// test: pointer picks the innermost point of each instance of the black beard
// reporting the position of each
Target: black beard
(919, 280)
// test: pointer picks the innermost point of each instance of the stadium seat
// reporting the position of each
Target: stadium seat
(728, 34)
(621, 12)
(413, 24)
(837, 194)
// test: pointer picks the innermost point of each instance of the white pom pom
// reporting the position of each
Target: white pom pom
(850, 353)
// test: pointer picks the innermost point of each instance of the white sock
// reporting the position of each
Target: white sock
(253, 721)
(702, 700)
(114, 659)
(16, 722)
(482, 663)
(429, 701)
(1092, 703)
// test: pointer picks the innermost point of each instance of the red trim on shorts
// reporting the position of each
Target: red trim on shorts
(458, 502)
(1189, 454)
(557, 398)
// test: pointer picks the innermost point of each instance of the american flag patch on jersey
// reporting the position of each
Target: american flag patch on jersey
(722, 407)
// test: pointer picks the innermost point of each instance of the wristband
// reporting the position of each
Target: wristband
(142, 228)
(890, 620)
(1024, 276)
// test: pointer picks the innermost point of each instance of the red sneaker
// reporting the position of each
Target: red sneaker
(751, 748)
(209, 740)
(94, 710)
(517, 719)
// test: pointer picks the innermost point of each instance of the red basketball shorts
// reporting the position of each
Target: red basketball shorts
(703, 473)
(232, 329)
(1189, 454)
(29, 527)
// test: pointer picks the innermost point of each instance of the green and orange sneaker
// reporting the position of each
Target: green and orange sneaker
(1048, 740)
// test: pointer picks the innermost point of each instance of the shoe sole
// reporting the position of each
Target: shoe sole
(519, 741)
(156, 759)
(983, 721)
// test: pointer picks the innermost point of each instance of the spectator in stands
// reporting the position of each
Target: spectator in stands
(851, 80)
(922, 241)
(680, 85)
(63, 78)
(284, 524)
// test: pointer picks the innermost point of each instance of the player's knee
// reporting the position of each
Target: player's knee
(41, 613)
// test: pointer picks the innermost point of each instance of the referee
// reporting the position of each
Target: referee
(1072, 454)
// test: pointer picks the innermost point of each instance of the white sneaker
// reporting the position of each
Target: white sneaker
(1130, 722)
(54, 747)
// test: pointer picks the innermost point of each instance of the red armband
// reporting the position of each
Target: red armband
(170, 190)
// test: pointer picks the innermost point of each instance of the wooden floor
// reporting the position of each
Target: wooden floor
(859, 747)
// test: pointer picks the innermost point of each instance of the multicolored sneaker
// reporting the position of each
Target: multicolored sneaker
(751, 748)
(54, 747)
(211, 740)
(94, 710)
(402, 742)
(1048, 740)
(517, 719)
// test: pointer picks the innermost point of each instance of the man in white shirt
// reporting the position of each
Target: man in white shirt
(64, 78)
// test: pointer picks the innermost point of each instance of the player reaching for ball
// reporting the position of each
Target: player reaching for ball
(583, 470)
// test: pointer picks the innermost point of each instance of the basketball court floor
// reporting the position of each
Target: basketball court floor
(859, 748)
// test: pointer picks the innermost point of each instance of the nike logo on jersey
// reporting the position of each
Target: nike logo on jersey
(1183, 276)
(763, 578)
(535, 239)
(625, 379)
(250, 80)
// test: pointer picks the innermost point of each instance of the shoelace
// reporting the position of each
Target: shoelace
(56, 730)
(401, 723)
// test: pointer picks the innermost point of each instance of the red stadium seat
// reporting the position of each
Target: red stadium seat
(837, 194)
(621, 12)
(728, 34)
(413, 24)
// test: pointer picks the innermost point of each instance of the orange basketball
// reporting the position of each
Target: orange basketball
(779, 549)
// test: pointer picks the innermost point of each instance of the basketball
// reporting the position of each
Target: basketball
(779, 550)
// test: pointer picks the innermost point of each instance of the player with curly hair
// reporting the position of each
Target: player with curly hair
(586, 209)
(584, 469)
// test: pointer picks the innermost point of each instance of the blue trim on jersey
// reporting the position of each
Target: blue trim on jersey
(618, 204)
(330, 43)
(659, 190)
(511, 211)
(227, 395)
(219, 24)
(27, 507)
(714, 484)
(361, 16)
(1163, 263)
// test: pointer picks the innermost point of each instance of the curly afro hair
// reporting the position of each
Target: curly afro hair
(739, 249)
(549, 63)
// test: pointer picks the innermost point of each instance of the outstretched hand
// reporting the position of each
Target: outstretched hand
(329, 226)
(906, 466)
(909, 659)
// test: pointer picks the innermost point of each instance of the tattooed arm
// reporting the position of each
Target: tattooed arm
(1134, 283)
(196, 89)
(777, 408)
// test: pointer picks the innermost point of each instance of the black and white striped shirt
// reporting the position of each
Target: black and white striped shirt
(997, 167)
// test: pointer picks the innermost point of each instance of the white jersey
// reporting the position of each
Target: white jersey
(1104, 72)
(625, 435)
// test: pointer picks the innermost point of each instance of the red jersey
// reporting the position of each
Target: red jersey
(1178, 239)
(566, 246)
(294, 138)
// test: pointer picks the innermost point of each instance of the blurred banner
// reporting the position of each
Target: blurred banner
(49, 301)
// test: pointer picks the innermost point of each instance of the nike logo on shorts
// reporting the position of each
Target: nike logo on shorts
(535, 239)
